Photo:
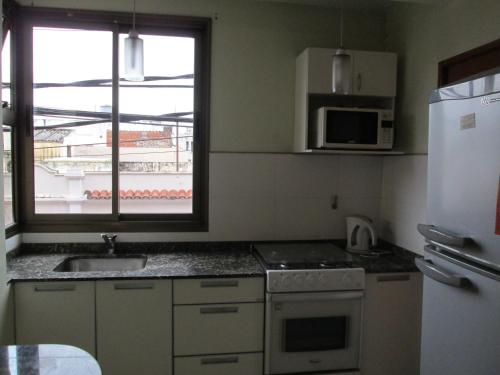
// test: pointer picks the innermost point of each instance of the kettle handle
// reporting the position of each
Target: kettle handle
(373, 234)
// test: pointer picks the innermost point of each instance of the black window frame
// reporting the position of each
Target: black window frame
(9, 115)
(197, 27)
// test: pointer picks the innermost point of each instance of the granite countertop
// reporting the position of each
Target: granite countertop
(390, 259)
(36, 262)
(46, 359)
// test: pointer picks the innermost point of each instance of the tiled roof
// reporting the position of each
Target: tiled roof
(142, 194)
(51, 135)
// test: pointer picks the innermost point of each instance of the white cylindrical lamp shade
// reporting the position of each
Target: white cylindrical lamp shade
(341, 73)
(134, 57)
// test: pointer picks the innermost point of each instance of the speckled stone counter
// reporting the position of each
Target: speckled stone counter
(37, 262)
(46, 360)
(390, 259)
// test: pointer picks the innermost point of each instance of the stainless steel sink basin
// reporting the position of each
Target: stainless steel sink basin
(103, 263)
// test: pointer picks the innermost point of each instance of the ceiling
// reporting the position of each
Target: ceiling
(355, 4)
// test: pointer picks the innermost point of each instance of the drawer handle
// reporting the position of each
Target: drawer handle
(219, 310)
(55, 288)
(218, 361)
(219, 284)
(385, 278)
(133, 286)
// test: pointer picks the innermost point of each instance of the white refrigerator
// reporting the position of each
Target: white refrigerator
(461, 264)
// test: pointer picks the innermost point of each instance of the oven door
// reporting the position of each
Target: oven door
(308, 332)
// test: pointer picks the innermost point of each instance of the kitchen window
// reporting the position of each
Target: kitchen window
(103, 153)
(9, 122)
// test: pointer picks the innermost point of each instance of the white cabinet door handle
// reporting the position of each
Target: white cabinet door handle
(219, 310)
(133, 286)
(55, 288)
(219, 360)
(219, 284)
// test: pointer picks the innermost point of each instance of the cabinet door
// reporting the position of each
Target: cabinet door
(374, 73)
(134, 327)
(319, 71)
(56, 313)
(392, 320)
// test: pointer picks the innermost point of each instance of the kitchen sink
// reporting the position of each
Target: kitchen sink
(102, 263)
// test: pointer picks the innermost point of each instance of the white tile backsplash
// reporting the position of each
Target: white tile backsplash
(301, 187)
(404, 200)
(274, 197)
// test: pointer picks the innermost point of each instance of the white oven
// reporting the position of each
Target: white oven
(313, 331)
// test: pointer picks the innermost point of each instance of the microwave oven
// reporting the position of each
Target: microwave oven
(353, 128)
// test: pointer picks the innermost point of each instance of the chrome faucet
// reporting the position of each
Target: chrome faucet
(110, 241)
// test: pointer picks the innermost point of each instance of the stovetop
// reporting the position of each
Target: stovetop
(303, 256)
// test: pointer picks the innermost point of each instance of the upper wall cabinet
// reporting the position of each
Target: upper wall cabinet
(373, 86)
(372, 73)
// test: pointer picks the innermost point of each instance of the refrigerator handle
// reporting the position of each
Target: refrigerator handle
(442, 236)
(437, 273)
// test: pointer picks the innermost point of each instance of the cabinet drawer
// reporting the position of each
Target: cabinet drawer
(218, 290)
(241, 364)
(212, 329)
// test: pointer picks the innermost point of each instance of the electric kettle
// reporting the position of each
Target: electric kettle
(360, 233)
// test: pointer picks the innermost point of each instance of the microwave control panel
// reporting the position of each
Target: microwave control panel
(387, 128)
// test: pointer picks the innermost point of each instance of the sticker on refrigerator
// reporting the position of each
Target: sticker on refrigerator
(497, 230)
(468, 121)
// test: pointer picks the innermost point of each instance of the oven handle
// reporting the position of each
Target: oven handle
(308, 297)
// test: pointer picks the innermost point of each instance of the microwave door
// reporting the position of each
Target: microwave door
(351, 129)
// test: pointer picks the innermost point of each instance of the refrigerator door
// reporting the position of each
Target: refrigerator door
(460, 325)
(464, 168)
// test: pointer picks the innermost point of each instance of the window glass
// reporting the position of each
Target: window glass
(72, 101)
(6, 80)
(156, 129)
(8, 176)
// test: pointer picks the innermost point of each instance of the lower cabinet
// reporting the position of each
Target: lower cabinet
(129, 325)
(56, 313)
(134, 327)
(219, 326)
(391, 324)
(231, 364)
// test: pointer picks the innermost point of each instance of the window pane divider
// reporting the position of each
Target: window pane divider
(115, 132)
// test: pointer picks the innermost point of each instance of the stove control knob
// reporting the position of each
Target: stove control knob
(311, 280)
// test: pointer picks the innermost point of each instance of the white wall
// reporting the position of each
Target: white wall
(423, 35)
(404, 199)
(274, 197)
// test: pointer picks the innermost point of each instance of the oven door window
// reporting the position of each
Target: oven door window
(351, 127)
(315, 334)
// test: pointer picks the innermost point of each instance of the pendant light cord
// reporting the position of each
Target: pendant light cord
(341, 24)
(133, 18)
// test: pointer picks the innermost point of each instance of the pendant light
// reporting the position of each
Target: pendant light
(341, 64)
(134, 54)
